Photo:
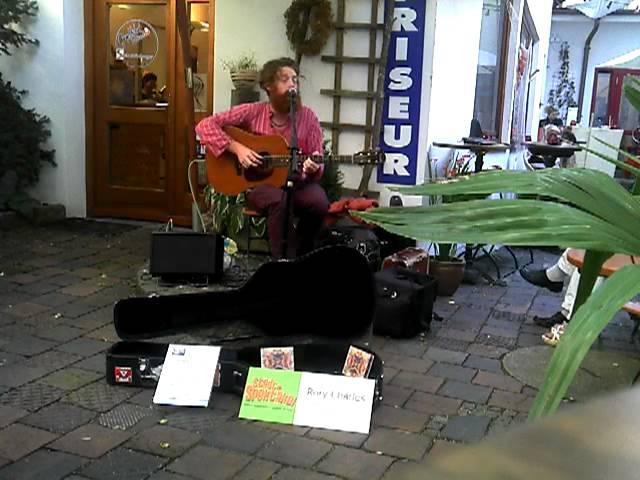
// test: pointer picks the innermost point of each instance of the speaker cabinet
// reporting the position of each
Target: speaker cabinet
(186, 255)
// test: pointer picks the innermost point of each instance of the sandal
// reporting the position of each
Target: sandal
(552, 337)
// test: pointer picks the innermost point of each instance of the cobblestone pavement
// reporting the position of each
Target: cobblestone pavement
(60, 420)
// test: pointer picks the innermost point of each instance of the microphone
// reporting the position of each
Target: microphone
(292, 92)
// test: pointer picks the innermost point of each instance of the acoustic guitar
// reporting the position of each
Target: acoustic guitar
(227, 176)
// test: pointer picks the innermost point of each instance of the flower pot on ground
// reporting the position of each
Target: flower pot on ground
(449, 272)
(243, 71)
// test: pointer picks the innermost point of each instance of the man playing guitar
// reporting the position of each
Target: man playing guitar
(309, 200)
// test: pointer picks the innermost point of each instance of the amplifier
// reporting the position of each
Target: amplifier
(186, 255)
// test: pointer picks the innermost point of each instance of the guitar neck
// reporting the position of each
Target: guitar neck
(284, 160)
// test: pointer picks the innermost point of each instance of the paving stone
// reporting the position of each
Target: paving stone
(484, 350)
(52, 360)
(398, 444)
(425, 383)
(84, 346)
(464, 335)
(18, 440)
(167, 476)
(465, 391)
(43, 465)
(9, 414)
(404, 470)
(53, 299)
(389, 374)
(341, 438)
(410, 348)
(17, 375)
(448, 356)
(296, 451)
(196, 420)
(25, 309)
(95, 363)
(208, 463)
(288, 429)
(32, 396)
(90, 441)
(500, 381)
(104, 334)
(28, 345)
(164, 441)
(354, 464)
(59, 418)
(124, 416)
(258, 470)
(439, 448)
(483, 363)
(64, 279)
(430, 404)
(123, 464)
(70, 378)
(408, 364)
(468, 428)
(512, 401)
(290, 473)
(399, 418)
(99, 396)
(60, 333)
(395, 396)
(7, 358)
(35, 289)
(73, 310)
(529, 339)
(449, 344)
(144, 398)
(453, 372)
(241, 437)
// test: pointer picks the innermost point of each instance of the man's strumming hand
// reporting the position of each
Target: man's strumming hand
(247, 157)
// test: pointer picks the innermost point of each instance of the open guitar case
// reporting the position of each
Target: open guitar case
(327, 295)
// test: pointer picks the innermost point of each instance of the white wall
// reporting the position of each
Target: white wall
(53, 73)
(617, 35)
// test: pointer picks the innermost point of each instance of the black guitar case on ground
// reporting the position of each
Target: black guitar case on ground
(141, 361)
(329, 292)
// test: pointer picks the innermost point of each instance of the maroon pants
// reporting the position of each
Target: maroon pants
(309, 204)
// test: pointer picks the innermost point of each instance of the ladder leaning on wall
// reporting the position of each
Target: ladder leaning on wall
(373, 96)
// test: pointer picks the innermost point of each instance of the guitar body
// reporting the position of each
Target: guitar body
(329, 292)
(225, 174)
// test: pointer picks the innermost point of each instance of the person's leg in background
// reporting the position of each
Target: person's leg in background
(553, 277)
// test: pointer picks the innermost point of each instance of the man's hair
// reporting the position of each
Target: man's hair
(149, 76)
(270, 70)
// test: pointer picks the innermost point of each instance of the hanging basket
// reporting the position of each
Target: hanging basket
(244, 79)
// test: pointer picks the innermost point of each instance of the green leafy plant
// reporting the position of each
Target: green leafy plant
(577, 208)
(22, 131)
(226, 213)
(246, 61)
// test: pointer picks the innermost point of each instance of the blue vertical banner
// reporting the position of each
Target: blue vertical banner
(402, 93)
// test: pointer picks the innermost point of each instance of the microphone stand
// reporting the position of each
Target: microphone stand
(293, 171)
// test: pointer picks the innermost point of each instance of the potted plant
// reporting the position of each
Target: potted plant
(243, 71)
(447, 268)
(572, 207)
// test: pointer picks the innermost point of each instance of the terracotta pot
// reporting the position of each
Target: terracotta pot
(244, 79)
(449, 274)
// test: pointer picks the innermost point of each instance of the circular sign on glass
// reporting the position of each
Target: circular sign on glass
(136, 43)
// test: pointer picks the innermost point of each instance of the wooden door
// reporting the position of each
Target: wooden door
(137, 154)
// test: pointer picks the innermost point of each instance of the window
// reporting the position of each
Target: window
(491, 64)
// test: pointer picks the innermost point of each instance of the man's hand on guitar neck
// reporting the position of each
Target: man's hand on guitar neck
(309, 167)
(247, 157)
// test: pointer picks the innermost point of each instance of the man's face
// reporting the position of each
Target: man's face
(285, 79)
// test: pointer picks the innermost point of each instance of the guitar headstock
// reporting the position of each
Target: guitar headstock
(369, 157)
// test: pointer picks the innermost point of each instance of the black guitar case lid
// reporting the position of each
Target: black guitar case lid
(329, 292)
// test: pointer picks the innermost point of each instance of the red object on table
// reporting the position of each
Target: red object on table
(412, 258)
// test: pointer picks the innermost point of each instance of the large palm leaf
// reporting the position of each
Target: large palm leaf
(570, 208)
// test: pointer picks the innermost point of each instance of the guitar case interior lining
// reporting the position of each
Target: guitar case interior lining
(143, 359)
(328, 293)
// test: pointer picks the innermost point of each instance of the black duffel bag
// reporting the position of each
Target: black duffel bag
(358, 237)
(404, 302)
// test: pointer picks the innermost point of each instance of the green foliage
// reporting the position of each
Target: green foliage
(226, 213)
(22, 131)
(11, 15)
(246, 61)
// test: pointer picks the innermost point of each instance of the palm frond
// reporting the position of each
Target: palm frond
(621, 165)
(632, 91)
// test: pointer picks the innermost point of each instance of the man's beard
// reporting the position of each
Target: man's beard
(281, 102)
